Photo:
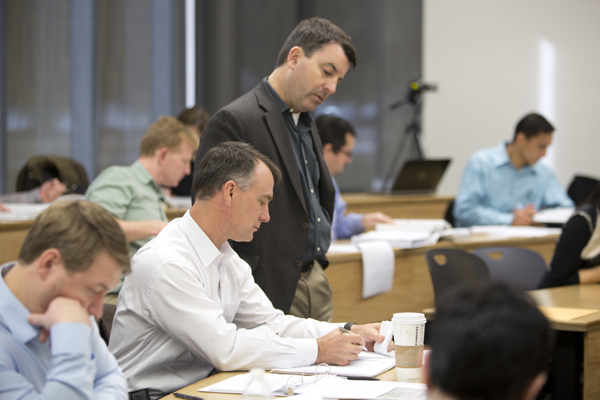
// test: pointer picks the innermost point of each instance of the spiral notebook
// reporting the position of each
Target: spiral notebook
(368, 364)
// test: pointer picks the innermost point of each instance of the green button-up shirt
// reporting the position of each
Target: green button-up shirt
(130, 194)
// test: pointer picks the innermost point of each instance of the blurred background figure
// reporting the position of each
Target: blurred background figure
(195, 119)
(46, 193)
(338, 137)
(577, 254)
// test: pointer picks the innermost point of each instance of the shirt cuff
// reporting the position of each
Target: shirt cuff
(70, 338)
(306, 352)
(506, 219)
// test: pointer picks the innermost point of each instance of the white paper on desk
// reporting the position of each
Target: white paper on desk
(378, 260)
(558, 215)
(342, 248)
(277, 382)
(400, 239)
(345, 389)
(413, 224)
(368, 364)
(504, 231)
(22, 211)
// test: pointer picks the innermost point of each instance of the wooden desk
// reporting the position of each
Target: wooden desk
(12, 235)
(221, 376)
(412, 289)
(399, 206)
(579, 296)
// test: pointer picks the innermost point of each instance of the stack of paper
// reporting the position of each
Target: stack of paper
(22, 212)
(554, 215)
(423, 225)
(503, 231)
(401, 239)
(368, 364)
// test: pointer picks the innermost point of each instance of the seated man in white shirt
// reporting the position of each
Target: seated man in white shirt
(50, 347)
(488, 343)
(191, 302)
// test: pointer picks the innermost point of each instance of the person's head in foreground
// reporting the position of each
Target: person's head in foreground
(74, 253)
(488, 343)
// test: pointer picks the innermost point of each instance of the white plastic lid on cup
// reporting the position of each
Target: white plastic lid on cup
(409, 318)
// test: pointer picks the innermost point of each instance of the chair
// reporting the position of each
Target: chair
(459, 268)
(39, 169)
(520, 268)
(581, 187)
(449, 214)
(105, 322)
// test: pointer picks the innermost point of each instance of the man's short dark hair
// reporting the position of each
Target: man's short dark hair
(312, 35)
(532, 125)
(235, 161)
(333, 130)
(488, 342)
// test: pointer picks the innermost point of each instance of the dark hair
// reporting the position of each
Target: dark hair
(313, 34)
(488, 343)
(594, 197)
(333, 130)
(194, 116)
(235, 161)
(532, 125)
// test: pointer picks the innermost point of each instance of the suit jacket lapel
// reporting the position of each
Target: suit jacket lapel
(281, 137)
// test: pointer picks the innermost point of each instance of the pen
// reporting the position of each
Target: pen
(361, 378)
(343, 330)
(187, 396)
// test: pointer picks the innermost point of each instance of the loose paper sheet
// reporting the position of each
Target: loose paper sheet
(378, 261)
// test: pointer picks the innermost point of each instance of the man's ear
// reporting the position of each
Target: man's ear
(48, 261)
(161, 153)
(294, 56)
(328, 150)
(520, 138)
(228, 191)
(535, 386)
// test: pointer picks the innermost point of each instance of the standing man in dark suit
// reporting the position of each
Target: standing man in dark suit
(287, 255)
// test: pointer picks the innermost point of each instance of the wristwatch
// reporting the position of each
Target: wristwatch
(348, 325)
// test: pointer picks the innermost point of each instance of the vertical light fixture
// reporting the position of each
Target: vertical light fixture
(546, 89)
(190, 53)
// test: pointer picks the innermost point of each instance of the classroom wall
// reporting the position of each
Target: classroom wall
(496, 61)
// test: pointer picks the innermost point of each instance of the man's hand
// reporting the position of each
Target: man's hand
(370, 333)
(61, 309)
(370, 220)
(51, 190)
(524, 216)
(338, 348)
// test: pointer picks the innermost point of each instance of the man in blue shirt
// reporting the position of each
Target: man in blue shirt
(50, 347)
(338, 137)
(506, 185)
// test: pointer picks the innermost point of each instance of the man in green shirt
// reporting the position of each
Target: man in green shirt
(133, 194)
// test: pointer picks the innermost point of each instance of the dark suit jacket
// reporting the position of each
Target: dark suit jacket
(277, 250)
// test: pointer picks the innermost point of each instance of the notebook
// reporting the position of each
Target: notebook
(368, 364)
(419, 176)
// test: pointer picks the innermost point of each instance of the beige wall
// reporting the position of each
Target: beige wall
(486, 57)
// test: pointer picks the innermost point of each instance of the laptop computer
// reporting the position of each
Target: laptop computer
(419, 177)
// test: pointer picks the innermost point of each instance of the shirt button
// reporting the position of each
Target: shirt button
(318, 249)
(305, 225)
(318, 219)
(305, 161)
(312, 191)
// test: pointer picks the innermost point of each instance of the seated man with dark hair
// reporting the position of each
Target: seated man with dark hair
(191, 303)
(488, 343)
(506, 184)
(50, 347)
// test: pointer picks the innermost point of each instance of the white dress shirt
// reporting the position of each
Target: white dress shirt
(187, 306)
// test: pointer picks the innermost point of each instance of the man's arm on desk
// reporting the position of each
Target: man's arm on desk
(136, 230)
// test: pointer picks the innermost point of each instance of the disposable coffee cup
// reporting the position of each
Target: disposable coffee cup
(409, 332)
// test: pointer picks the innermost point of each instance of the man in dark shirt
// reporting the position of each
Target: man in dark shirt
(287, 255)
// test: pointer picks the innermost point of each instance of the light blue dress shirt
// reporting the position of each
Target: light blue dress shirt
(492, 188)
(344, 225)
(73, 364)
